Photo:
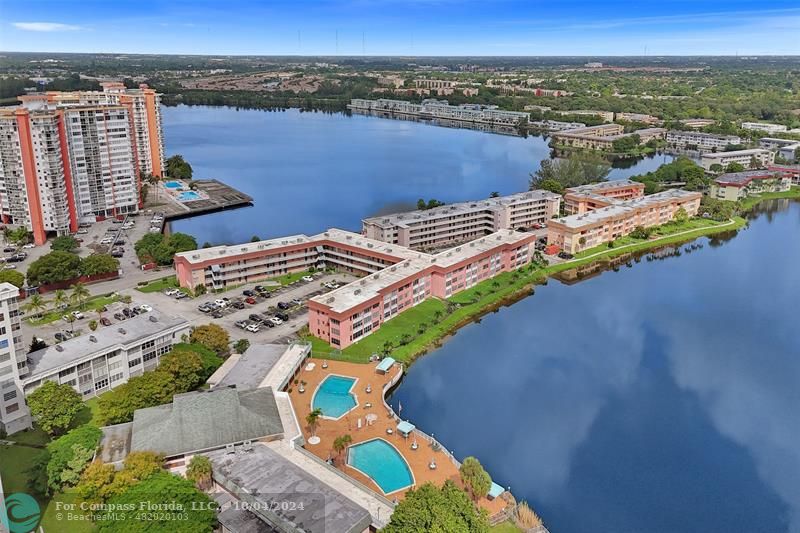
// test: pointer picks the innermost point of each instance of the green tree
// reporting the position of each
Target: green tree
(54, 406)
(185, 369)
(64, 243)
(157, 248)
(341, 442)
(62, 451)
(178, 168)
(241, 345)
(551, 185)
(571, 172)
(681, 216)
(19, 236)
(255, 238)
(430, 508)
(199, 471)
(94, 485)
(53, 268)
(200, 516)
(79, 294)
(75, 465)
(93, 325)
(716, 168)
(475, 478)
(13, 277)
(312, 419)
(60, 299)
(99, 264)
(200, 289)
(734, 167)
(212, 337)
(35, 305)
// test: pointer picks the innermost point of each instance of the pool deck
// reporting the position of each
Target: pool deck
(219, 197)
(328, 429)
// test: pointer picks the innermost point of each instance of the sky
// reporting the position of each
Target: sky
(409, 27)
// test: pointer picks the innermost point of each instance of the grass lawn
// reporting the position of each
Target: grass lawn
(158, 285)
(750, 202)
(89, 307)
(505, 527)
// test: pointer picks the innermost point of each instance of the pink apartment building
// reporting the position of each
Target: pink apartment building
(579, 200)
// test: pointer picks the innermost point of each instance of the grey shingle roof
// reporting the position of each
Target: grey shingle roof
(253, 366)
(242, 521)
(266, 480)
(206, 420)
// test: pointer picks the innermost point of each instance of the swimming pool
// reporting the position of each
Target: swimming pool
(382, 463)
(173, 185)
(334, 397)
(188, 196)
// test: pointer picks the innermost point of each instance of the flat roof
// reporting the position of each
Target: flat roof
(385, 364)
(745, 177)
(409, 217)
(100, 341)
(605, 186)
(734, 153)
(266, 480)
(253, 366)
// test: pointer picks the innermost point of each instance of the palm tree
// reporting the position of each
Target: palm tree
(340, 443)
(79, 294)
(36, 305)
(69, 317)
(199, 471)
(312, 419)
(60, 299)
(153, 182)
(126, 299)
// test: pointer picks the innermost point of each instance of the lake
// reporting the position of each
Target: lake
(663, 397)
(311, 171)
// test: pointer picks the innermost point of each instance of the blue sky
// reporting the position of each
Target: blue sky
(410, 27)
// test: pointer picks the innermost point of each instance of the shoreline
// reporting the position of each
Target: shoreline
(521, 283)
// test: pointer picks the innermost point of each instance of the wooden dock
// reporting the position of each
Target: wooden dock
(217, 197)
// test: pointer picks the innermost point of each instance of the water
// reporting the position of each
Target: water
(382, 462)
(188, 196)
(311, 171)
(659, 398)
(333, 396)
(173, 185)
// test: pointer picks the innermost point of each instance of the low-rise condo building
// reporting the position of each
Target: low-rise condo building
(703, 142)
(738, 185)
(602, 137)
(638, 117)
(791, 171)
(697, 123)
(432, 108)
(606, 116)
(348, 314)
(576, 233)
(757, 157)
(579, 200)
(463, 221)
(788, 149)
(764, 126)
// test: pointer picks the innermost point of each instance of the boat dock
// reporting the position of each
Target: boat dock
(204, 196)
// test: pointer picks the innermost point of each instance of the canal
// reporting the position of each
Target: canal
(311, 171)
(661, 397)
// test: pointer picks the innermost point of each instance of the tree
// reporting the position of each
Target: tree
(341, 442)
(198, 512)
(54, 267)
(212, 337)
(625, 144)
(475, 478)
(200, 289)
(19, 236)
(734, 167)
(62, 452)
(64, 243)
(35, 305)
(715, 168)
(54, 406)
(551, 185)
(99, 264)
(255, 238)
(37, 344)
(199, 471)
(241, 345)
(93, 325)
(429, 508)
(71, 474)
(640, 232)
(95, 483)
(681, 216)
(571, 172)
(157, 248)
(79, 294)
(60, 299)
(312, 419)
(494, 194)
(178, 168)
(185, 369)
(13, 277)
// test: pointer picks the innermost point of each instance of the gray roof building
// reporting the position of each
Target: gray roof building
(265, 481)
(253, 366)
(206, 420)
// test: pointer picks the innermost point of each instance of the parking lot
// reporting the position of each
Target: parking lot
(264, 307)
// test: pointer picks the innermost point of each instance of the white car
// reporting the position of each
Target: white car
(77, 314)
(146, 308)
(29, 246)
(275, 320)
(171, 292)
(252, 328)
(221, 303)
(9, 267)
(308, 278)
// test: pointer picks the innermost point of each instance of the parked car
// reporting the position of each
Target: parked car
(217, 314)
(83, 232)
(275, 320)
(105, 321)
(237, 304)
(251, 301)
(256, 318)
(268, 323)
(241, 324)
(296, 301)
(146, 308)
(9, 267)
(565, 255)
(60, 337)
(248, 292)
(29, 246)
(252, 328)
(308, 279)
(9, 249)
(204, 308)
(171, 292)
(119, 316)
(77, 314)
(220, 303)
(181, 295)
(259, 288)
(282, 316)
(283, 305)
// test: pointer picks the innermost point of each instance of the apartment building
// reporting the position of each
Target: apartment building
(432, 108)
(584, 198)
(434, 84)
(791, 171)
(735, 186)
(607, 116)
(697, 123)
(350, 313)
(108, 357)
(638, 117)
(602, 137)
(579, 232)
(764, 126)
(786, 148)
(463, 221)
(703, 142)
(754, 156)
(14, 413)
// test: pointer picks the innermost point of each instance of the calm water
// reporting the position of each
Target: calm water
(659, 398)
(311, 171)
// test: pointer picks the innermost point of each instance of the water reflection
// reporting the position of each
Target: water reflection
(659, 398)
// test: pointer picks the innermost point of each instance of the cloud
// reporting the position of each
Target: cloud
(45, 26)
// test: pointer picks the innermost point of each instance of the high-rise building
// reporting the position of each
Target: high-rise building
(72, 157)
(14, 413)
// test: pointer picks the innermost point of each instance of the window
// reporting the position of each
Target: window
(12, 408)
(134, 362)
(9, 395)
(116, 377)
(101, 383)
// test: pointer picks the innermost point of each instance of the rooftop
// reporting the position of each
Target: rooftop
(743, 178)
(264, 479)
(205, 420)
(101, 341)
(253, 366)
(734, 153)
(602, 186)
